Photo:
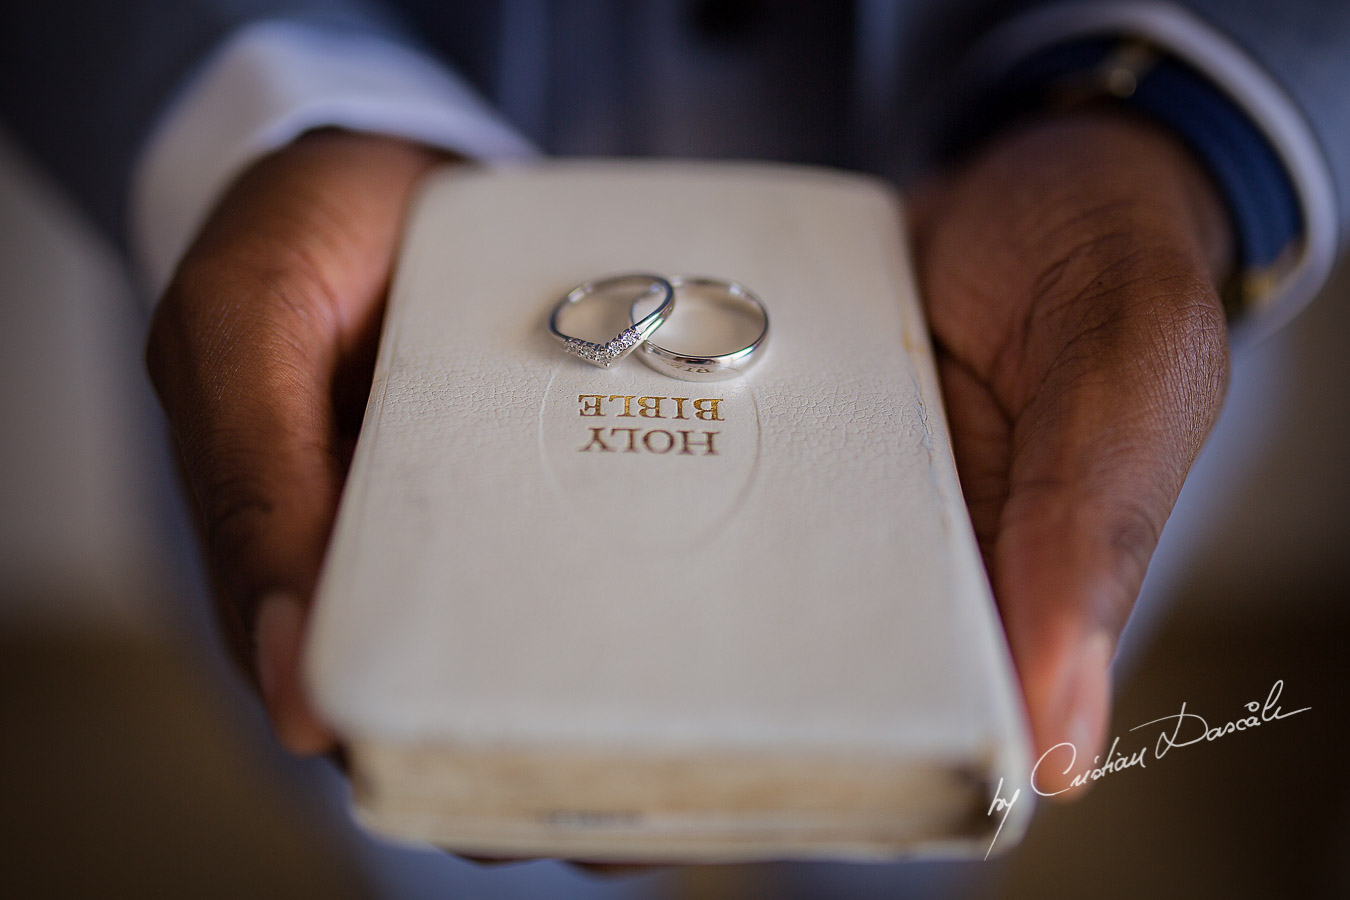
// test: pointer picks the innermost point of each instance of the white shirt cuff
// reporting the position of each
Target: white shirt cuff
(266, 85)
(1244, 81)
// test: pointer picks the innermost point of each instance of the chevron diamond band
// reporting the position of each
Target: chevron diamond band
(643, 288)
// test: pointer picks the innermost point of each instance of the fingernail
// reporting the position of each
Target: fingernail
(278, 616)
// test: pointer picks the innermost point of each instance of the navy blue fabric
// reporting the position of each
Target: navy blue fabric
(1304, 46)
(1259, 193)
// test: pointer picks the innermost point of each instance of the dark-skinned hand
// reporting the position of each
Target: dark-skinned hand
(1069, 273)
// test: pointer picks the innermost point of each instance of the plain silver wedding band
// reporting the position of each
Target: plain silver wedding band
(687, 367)
(616, 348)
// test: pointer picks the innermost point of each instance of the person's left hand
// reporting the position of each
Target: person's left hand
(1069, 272)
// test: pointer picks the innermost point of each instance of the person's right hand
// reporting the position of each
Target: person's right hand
(261, 351)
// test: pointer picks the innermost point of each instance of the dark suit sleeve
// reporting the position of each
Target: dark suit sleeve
(1304, 45)
(83, 81)
(1254, 91)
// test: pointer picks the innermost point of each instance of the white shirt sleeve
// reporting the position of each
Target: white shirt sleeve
(266, 85)
(1231, 70)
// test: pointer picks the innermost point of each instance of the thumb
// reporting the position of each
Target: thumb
(269, 319)
(1099, 453)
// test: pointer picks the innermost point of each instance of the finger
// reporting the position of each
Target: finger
(981, 437)
(246, 351)
(924, 203)
(279, 637)
(1099, 453)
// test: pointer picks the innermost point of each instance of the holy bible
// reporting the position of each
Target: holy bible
(614, 615)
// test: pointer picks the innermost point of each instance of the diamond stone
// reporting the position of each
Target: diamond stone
(605, 354)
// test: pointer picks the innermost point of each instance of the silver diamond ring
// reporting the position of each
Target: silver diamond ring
(730, 303)
(648, 287)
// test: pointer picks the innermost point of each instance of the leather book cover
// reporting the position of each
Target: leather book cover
(610, 614)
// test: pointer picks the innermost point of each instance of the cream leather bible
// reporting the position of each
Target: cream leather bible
(610, 614)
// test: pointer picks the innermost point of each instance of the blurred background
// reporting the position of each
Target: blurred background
(134, 763)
